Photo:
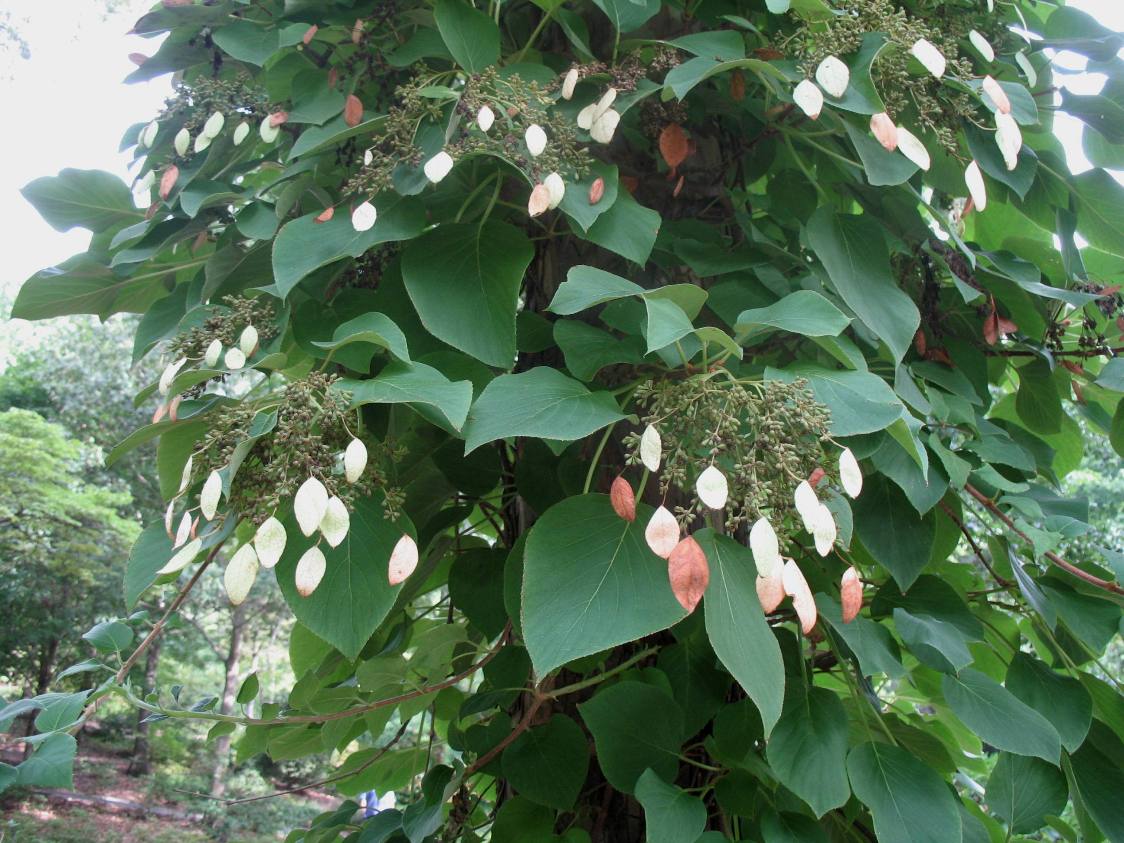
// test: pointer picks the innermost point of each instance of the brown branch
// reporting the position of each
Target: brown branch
(975, 547)
(524, 724)
(1053, 557)
(1001, 352)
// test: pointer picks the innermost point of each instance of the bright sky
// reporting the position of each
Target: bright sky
(67, 107)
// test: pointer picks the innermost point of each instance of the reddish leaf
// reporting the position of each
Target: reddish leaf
(277, 118)
(168, 180)
(309, 34)
(689, 573)
(353, 110)
(174, 408)
(326, 214)
(159, 413)
(138, 58)
(673, 145)
(851, 594)
(1006, 326)
(623, 499)
(737, 86)
(596, 190)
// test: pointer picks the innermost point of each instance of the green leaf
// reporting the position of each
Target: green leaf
(1098, 779)
(304, 245)
(853, 251)
(150, 552)
(460, 269)
(354, 596)
(908, 800)
(471, 36)
(541, 402)
(1037, 402)
(575, 202)
(1112, 375)
(61, 712)
(999, 717)
(374, 328)
(627, 228)
(588, 349)
(871, 642)
(803, 312)
(790, 828)
(109, 636)
(590, 583)
(1060, 699)
(635, 726)
(586, 287)
(1023, 791)
(1099, 199)
(628, 15)
(92, 199)
(897, 537)
(860, 402)
(548, 764)
(248, 690)
(664, 323)
(882, 166)
(251, 42)
(808, 748)
(315, 99)
(316, 139)
(439, 399)
(736, 626)
(51, 764)
(670, 815)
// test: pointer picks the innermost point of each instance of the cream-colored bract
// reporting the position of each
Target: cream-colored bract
(234, 358)
(976, 189)
(994, 92)
(309, 504)
(662, 532)
(539, 200)
(214, 352)
(712, 488)
(183, 532)
(214, 125)
(1009, 138)
(605, 126)
(335, 523)
(241, 133)
(770, 589)
(796, 587)
(557, 189)
(211, 495)
(651, 448)
(169, 375)
(833, 76)
(884, 130)
(535, 139)
(364, 216)
(766, 548)
(181, 142)
(182, 558)
(850, 475)
(932, 58)
(240, 574)
(824, 530)
(485, 117)
(248, 340)
(269, 541)
(913, 149)
(807, 504)
(201, 142)
(569, 82)
(403, 560)
(983, 47)
(354, 460)
(439, 166)
(310, 570)
(808, 96)
(267, 130)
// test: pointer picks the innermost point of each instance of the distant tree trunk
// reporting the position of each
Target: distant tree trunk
(226, 705)
(141, 764)
(47, 655)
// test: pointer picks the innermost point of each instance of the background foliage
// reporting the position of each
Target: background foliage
(537, 676)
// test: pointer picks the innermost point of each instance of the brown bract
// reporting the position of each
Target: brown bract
(168, 181)
(689, 573)
(851, 594)
(539, 201)
(623, 499)
(673, 145)
(326, 214)
(353, 110)
(770, 590)
(309, 34)
(737, 86)
(996, 326)
(596, 190)
(277, 118)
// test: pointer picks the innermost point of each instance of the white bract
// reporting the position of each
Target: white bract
(569, 82)
(214, 125)
(932, 58)
(241, 133)
(535, 139)
(268, 131)
(248, 340)
(169, 515)
(850, 475)
(712, 488)
(310, 570)
(214, 352)
(796, 587)
(269, 541)
(485, 117)
(201, 142)
(599, 118)
(912, 148)
(181, 141)
(144, 184)
(309, 504)
(766, 548)
(185, 478)
(364, 216)
(182, 557)
(833, 76)
(662, 532)
(651, 448)
(557, 189)
(809, 98)
(1009, 138)
(439, 166)
(354, 460)
(169, 375)
(234, 358)
(211, 495)
(605, 126)
(982, 46)
(403, 560)
(823, 530)
(974, 179)
(539, 200)
(807, 504)
(1027, 68)
(148, 134)
(994, 92)
(335, 523)
(368, 157)
(240, 574)
(183, 532)
(884, 130)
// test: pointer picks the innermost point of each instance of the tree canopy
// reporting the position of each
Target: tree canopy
(653, 414)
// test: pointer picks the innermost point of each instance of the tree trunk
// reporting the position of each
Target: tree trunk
(140, 765)
(229, 689)
(46, 665)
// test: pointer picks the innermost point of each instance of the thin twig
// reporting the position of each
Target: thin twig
(975, 547)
